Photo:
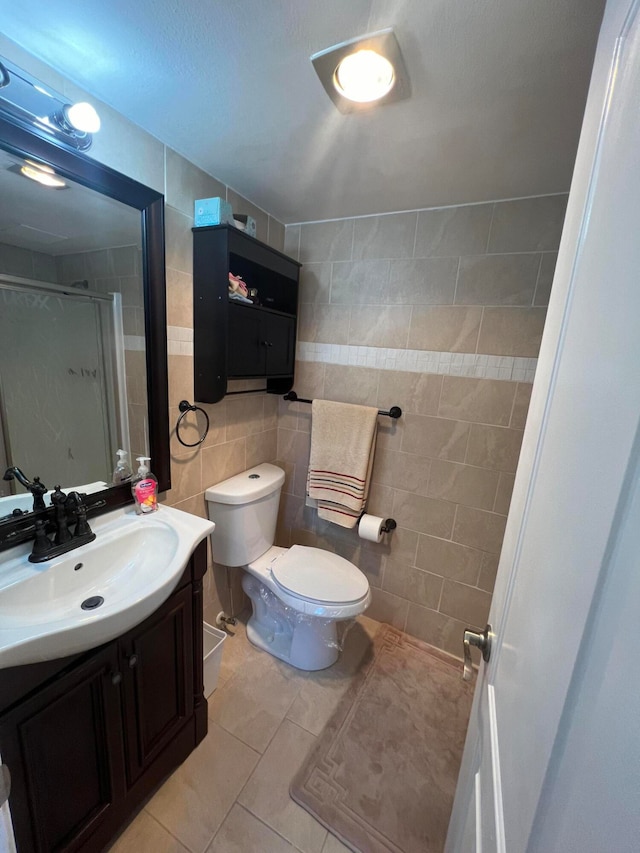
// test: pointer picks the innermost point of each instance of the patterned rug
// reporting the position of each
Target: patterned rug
(383, 773)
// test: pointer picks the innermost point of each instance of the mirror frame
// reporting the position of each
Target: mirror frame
(71, 164)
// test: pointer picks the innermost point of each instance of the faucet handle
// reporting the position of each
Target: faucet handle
(58, 497)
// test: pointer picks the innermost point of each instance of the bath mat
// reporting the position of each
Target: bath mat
(383, 773)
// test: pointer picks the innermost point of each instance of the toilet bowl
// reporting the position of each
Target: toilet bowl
(298, 594)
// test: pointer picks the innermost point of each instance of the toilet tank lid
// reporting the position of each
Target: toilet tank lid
(249, 486)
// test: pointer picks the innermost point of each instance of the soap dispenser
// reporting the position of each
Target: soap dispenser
(145, 488)
(122, 471)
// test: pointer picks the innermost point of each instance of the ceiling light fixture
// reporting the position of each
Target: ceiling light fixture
(42, 174)
(363, 72)
(81, 117)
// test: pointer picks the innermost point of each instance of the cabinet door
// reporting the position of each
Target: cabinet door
(280, 336)
(157, 666)
(65, 753)
(247, 350)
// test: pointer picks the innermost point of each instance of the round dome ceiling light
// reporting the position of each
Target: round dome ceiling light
(364, 76)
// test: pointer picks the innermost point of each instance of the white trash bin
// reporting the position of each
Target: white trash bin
(213, 639)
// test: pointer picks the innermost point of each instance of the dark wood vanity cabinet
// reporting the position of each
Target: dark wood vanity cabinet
(234, 340)
(87, 739)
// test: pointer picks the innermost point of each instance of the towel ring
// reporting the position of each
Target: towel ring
(186, 407)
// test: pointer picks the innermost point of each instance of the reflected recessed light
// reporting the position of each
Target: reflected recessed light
(42, 174)
(363, 72)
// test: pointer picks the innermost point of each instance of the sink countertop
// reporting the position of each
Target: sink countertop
(134, 564)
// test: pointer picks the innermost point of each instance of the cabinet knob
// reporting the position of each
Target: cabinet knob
(116, 678)
(133, 661)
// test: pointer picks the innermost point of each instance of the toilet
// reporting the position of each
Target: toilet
(299, 594)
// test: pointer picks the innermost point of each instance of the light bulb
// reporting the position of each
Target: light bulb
(364, 76)
(82, 117)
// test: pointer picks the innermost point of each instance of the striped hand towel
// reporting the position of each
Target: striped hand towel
(343, 439)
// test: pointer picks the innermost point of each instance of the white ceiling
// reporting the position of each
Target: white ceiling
(498, 91)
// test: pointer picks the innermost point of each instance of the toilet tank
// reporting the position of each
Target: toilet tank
(245, 510)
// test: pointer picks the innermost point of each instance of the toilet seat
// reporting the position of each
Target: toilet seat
(316, 575)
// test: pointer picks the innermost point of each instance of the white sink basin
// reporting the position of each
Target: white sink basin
(134, 564)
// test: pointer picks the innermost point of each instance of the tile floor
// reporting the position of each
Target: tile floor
(232, 794)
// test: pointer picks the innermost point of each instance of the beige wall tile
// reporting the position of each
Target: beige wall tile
(415, 393)
(217, 433)
(436, 628)
(293, 446)
(492, 447)
(511, 331)
(406, 471)
(438, 438)
(179, 299)
(424, 281)
(240, 204)
(401, 545)
(378, 327)
(360, 283)
(388, 608)
(528, 225)
(497, 279)
(521, 405)
(503, 495)
(347, 384)
(449, 559)
(488, 571)
(464, 484)
(186, 183)
(315, 283)
(545, 278)
(449, 329)
(310, 376)
(488, 401)
(326, 241)
(244, 416)
(270, 411)
(186, 477)
(388, 236)
(178, 240)
(223, 461)
(380, 500)
(453, 231)
(326, 324)
(479, 529)
(275, 235)
(180, 378)
(425, 515)
(292, 241)
(465, 602)
(413, 584)
(262, 447)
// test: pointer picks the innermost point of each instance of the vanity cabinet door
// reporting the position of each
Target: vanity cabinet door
(157, 667)
(64, 749)
(281, 338)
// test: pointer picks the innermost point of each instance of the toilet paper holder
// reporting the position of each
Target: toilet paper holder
(389, 525)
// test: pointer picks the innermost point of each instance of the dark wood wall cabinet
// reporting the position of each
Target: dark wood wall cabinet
(233, 340)
(88, 738)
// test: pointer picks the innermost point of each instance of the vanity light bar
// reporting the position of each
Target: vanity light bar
(28, 103)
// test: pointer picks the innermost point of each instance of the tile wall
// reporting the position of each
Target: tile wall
(441, 312)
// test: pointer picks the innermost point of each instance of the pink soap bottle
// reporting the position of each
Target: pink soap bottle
(145, 488)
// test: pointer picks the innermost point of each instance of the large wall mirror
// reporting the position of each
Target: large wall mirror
(83, 354)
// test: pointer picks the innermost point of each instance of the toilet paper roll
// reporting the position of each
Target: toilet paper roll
(370, 528)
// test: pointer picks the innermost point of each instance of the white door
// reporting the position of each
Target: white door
(552, 758)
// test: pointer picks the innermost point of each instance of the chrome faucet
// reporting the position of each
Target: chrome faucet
(37, 489)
